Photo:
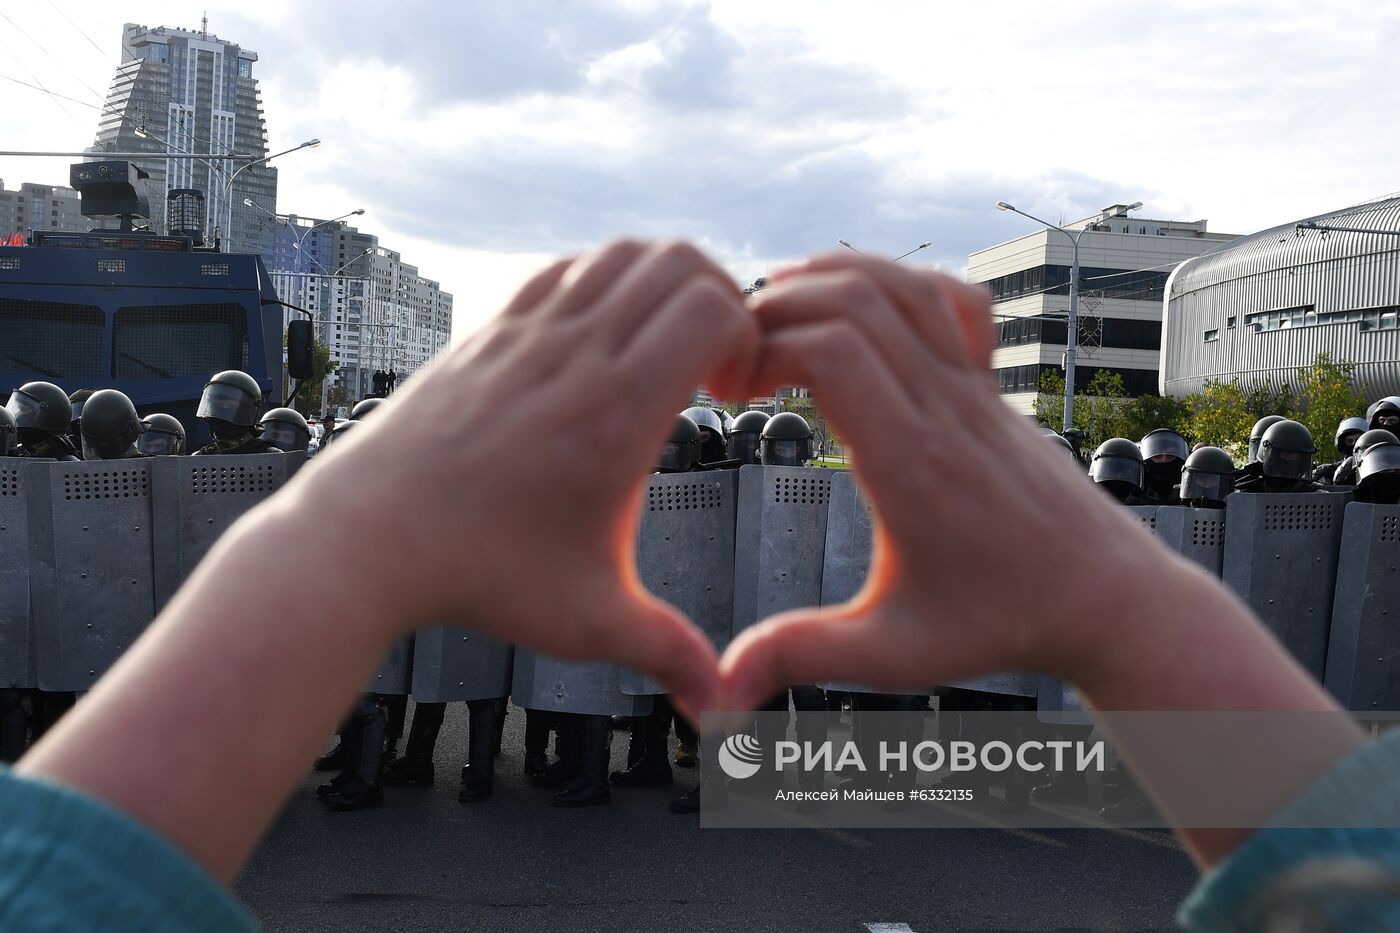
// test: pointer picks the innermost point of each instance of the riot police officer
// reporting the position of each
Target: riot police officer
(681, 452)
(786, 440)
(230, 404)
(1164, 452)
(1378, 475)
(41, 411)
(485, 720)
(286, 429)
(1256, 433)
(1285, 461)
(359, 786)
(1207, 478)
(162, 435)
(7, 432)
(336, 433)
(711, 433)
(1348, 430)
(1384, 413)
(110, 427)
(1118, 469)
(1345, 474)
(745, 437)
(1064, 445)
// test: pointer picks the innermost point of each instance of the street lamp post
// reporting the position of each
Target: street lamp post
(228, 186)
(1072, 337)
(897, 258)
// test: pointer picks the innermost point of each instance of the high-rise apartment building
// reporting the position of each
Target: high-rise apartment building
(192, 92)
(40, 207)
(1124, 263)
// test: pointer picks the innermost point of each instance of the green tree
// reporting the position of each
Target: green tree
(1327, 393)
(309, 389)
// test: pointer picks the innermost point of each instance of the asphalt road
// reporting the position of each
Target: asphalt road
(426, 862)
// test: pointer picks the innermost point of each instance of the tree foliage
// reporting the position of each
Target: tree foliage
(308, 398)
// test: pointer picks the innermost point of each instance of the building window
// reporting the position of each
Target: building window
(1211, 335)
(1230, 323)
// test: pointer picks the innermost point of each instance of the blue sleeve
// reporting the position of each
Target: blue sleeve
(68, 862)
(1366, 850)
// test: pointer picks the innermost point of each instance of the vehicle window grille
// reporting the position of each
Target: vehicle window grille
(51, 339)
(164, 341)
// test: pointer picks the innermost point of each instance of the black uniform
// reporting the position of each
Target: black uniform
(249, 445)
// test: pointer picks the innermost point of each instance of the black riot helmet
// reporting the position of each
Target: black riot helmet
(1256, 433)
(1117, 466)
(75, 402)
(1208, 476)
(1059, 441)
(1378, 476)
(681, 451)
(345, 427)
(360, 411)
(41, 407)
(1370, 439)
(1286, 451)
(110, 426)
(231, 397)
(286, 429)
(787, 440)
(744, 436)
(1384, 413)
(727, 420)
(162, 435)
(711, 433)
(1348, 430)
(7, 432)
(1164, 442)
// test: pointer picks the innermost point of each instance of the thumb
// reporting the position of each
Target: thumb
(805, 646)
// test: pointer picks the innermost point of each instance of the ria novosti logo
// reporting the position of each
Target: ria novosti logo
(740, 756)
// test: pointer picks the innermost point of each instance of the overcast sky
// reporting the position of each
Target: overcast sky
(486, 138)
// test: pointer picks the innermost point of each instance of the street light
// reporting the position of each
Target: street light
(897, 258)
(1072, 337)
(228, 187)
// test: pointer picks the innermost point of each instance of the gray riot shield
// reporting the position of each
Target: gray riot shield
(685, 554)
(1197, 534)
(1363, 653)
(1146, 514)
(195, 501)
(16, 647)
(395, 672)
(849, 547)
(452, 664)
(539, 681)
(1281, 558)
(295, 460)
(91, 570)
(780, 540)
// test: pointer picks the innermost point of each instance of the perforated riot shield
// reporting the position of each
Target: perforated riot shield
(452, 664)
(685, 554)
(1281, 558)
(539, 681)
(395, 672)
(780, 540)
(16, 646)
(92, 575)
(849, 547)
(295, 460)
(195, 501)
(1363, 654)
(1197, 534)
(1146, 514)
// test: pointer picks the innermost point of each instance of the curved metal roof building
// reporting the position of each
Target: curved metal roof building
(1266, 305)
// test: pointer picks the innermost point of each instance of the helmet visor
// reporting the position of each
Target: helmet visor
(25, 408)
(157, 443)
(227, 403)
(786, 452)
(285, 436)
(1286, 464)
(1163, 443)
(1116, 470)
(676, 458)
(743, 446)
(1212, 486)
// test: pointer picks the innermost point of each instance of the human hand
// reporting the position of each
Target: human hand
(542, 426)
(980, 561)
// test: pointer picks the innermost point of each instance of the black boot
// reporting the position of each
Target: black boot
(652, 768)
(567, 746)
(481, 745)
(14, 725)
(591, 785)
(536, 741)
(396, 711)
(416, 765)
(362, 789)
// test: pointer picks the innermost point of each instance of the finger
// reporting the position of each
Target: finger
(973, 306)
(644, 634)
(702, 333)
(591, 275)
(538, 287)
(811, 647)
(852, 294)
(921, 296)
(645, 285)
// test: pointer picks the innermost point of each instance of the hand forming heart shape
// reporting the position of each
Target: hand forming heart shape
(576, 384)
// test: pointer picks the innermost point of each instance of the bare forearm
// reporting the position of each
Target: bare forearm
(1199, 649)
(203, 728)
